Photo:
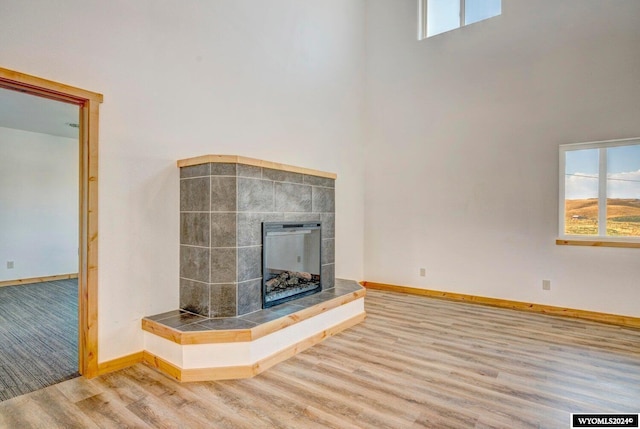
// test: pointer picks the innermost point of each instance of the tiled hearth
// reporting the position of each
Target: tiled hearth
(220, 330)
(180, 321)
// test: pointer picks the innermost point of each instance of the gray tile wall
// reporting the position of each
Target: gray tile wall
(222, 207)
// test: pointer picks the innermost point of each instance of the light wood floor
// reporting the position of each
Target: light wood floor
(415, 362)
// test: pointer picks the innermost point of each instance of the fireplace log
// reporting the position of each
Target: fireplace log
(287, 279)
(306, 276)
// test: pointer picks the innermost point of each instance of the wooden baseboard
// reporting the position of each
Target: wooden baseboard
(164, 366)
(246, 371)
(613, 319)
(38, 279)
(120, 363)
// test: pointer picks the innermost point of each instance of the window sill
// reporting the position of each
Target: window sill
(598, 243)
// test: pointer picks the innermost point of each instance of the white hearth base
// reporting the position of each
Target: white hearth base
(221, 359)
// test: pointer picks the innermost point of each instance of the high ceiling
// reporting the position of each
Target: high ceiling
(36, 114)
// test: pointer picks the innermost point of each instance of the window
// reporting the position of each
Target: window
(438, 16)
(600, 190)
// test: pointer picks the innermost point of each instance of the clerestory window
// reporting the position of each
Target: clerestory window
(439, 16)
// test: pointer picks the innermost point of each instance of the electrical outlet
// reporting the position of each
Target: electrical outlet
(423, 272)
(9, 265)
(546, 284)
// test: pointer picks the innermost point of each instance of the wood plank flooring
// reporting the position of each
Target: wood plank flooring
(415, 362)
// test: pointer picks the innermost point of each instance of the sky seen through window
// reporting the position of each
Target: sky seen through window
(623, 173)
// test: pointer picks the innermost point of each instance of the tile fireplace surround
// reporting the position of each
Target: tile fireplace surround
(220, 330)
(223, 202)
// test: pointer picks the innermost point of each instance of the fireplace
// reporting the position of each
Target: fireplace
(224, 202)
(290, 261)
(249, 228)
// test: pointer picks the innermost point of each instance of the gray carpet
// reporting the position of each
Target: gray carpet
(38, 336)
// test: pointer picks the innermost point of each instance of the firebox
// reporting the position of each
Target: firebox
(290, 261)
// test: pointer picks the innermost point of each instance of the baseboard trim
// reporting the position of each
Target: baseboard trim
(38, 279)
(164, 366)
(246, 371)
(612, 319)
(120, 363)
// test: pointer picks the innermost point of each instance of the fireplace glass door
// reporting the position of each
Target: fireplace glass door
(291, 261)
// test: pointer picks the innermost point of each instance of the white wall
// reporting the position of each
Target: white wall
(38, 204)
(462, 155)
(466, 124)
(280, 80)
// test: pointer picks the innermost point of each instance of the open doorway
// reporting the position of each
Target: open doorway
(39, 224)
(88, 104)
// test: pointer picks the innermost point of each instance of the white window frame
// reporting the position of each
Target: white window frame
(601, 238)
(422, 18)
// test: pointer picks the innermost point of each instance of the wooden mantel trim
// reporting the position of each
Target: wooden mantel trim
(236, 159)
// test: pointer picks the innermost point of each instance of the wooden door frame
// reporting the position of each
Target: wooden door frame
(89, 103)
